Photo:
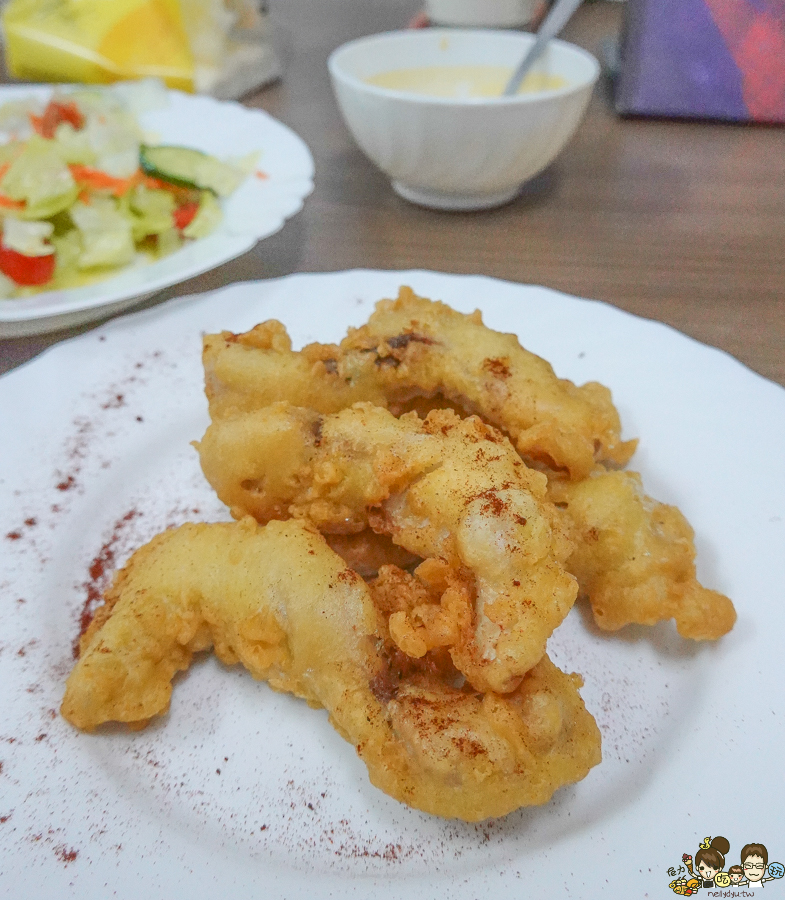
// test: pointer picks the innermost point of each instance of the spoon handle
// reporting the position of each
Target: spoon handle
(557, 18)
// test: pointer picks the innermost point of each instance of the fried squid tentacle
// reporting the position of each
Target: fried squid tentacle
(277, 599)
(446, 489)
(635, 558)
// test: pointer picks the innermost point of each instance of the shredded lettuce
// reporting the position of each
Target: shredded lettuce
(8, 288)
(79, 192)
(246, 164)
(9, 151)
(40, 178)
(142, 96)
(15, 118)
(110, 136)
(106, 234)
(151, 210)
(169, 241)
(28, 238)
(68, 249)
(74, 146)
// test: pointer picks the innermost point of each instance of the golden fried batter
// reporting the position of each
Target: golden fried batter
(284, 462)
(436, 668)
(416, 355)
(428, 610)
(414, 348)
(426, 348)
(445, 488)
(277, 599)
(635, 558)
(249, 371)
(366, 552)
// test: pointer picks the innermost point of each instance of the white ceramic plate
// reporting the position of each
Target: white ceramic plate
(257, 209)
(240, 791)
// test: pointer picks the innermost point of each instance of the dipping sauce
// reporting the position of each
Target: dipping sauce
(462, 81)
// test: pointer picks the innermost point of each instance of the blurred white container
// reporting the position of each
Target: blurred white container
(459, 153)
(481, 13)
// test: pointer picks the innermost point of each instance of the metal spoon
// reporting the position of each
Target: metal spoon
(557, 18)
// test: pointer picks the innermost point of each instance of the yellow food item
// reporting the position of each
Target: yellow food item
(463, 81)
(277, 599)
(95, 41)
(443, 488)
(635, 558)
(414, 348)
(476, 492)
(212, 46)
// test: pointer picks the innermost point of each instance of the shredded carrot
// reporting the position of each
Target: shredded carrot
(180, 194)
(155, 183)
(260, 174)
(8, 203)
(100, 181)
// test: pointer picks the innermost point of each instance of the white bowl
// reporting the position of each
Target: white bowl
(459, 153)
(481, 13)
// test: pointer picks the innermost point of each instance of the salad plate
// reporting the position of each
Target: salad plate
(239, 790)
(273, 192)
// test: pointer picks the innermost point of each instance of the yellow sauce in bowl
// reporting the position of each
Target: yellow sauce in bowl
(462, 81)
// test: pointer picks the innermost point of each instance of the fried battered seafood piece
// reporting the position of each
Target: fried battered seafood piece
(446, 489)
(414, 348)
(635, 558)
(247, 592)
(248, 371)
(277, 599)
(366, 552)
(284, 462)
(427, 348)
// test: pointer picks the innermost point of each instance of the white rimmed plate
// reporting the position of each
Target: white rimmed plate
(246, 791)
(257, 209)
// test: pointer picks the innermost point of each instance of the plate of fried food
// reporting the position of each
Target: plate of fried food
(310, 591)
(109, 194)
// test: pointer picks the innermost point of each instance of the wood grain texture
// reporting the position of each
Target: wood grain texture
(683, 222)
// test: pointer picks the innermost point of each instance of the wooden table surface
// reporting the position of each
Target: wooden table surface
(675, 221)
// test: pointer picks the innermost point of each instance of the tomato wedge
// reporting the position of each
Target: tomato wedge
(26, 270)
(185, 214)
(54, 115)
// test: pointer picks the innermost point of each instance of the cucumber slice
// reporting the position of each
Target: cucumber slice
(190, 168)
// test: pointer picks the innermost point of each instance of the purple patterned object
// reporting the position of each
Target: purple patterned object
(714, 59)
